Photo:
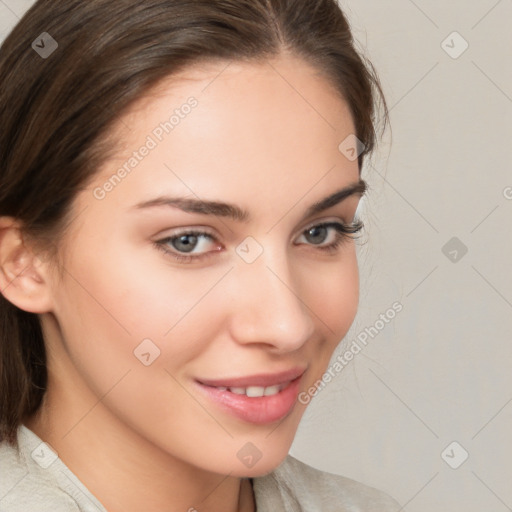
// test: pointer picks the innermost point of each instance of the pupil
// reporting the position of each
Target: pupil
(317, 235)
(185, 243)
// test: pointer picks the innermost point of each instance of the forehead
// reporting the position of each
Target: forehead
(234, 129)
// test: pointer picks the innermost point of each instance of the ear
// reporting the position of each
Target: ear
(23, 277)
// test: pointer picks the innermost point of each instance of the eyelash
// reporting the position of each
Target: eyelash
(344, 233)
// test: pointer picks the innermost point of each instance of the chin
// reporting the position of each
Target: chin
(258, 455)
(249, 454)
(263, 466)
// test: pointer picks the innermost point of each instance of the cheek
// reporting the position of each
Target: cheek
(334, 300)
(112, 304)
(334, 296)
(131, 329)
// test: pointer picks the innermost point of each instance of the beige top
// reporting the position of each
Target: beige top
(36, 480)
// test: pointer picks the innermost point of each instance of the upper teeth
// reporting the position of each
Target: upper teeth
(255, 391)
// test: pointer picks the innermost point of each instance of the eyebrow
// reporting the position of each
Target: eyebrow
(236, 213)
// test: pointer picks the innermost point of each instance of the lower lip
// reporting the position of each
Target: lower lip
(258, 410)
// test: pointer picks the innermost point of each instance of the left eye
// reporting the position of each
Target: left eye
(319, 235)
(325, 235)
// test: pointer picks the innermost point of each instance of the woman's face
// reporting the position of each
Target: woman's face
(208, 269)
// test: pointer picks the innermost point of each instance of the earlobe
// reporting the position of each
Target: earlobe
(23, 279)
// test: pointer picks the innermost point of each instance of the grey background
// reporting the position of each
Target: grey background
(441, 370)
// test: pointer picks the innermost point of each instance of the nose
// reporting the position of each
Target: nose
(267, 307)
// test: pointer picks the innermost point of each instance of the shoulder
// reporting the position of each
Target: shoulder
(24, 484)
(300, 487)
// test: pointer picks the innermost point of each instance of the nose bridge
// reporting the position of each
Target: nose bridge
(269, 308)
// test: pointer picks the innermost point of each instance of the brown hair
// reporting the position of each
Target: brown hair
(56, 112)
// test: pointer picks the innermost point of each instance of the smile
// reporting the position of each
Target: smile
(260, 399)
(256, 391)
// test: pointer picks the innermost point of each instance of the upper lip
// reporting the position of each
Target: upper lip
(261, 380)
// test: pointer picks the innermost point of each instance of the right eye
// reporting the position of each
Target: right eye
(189, 245)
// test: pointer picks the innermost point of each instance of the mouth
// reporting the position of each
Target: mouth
(256, 391)
(259, 399)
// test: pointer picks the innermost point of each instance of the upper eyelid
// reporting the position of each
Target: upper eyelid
(328, 221)
(204, 232)
(348, 228)
(176, 232)
(201, 232)
(208, 232)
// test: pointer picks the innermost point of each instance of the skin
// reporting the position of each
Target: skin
(253, 141)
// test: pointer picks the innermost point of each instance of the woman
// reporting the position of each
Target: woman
(179, 184)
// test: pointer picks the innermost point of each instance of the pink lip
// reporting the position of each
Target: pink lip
(257, 410)
(262, 380)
